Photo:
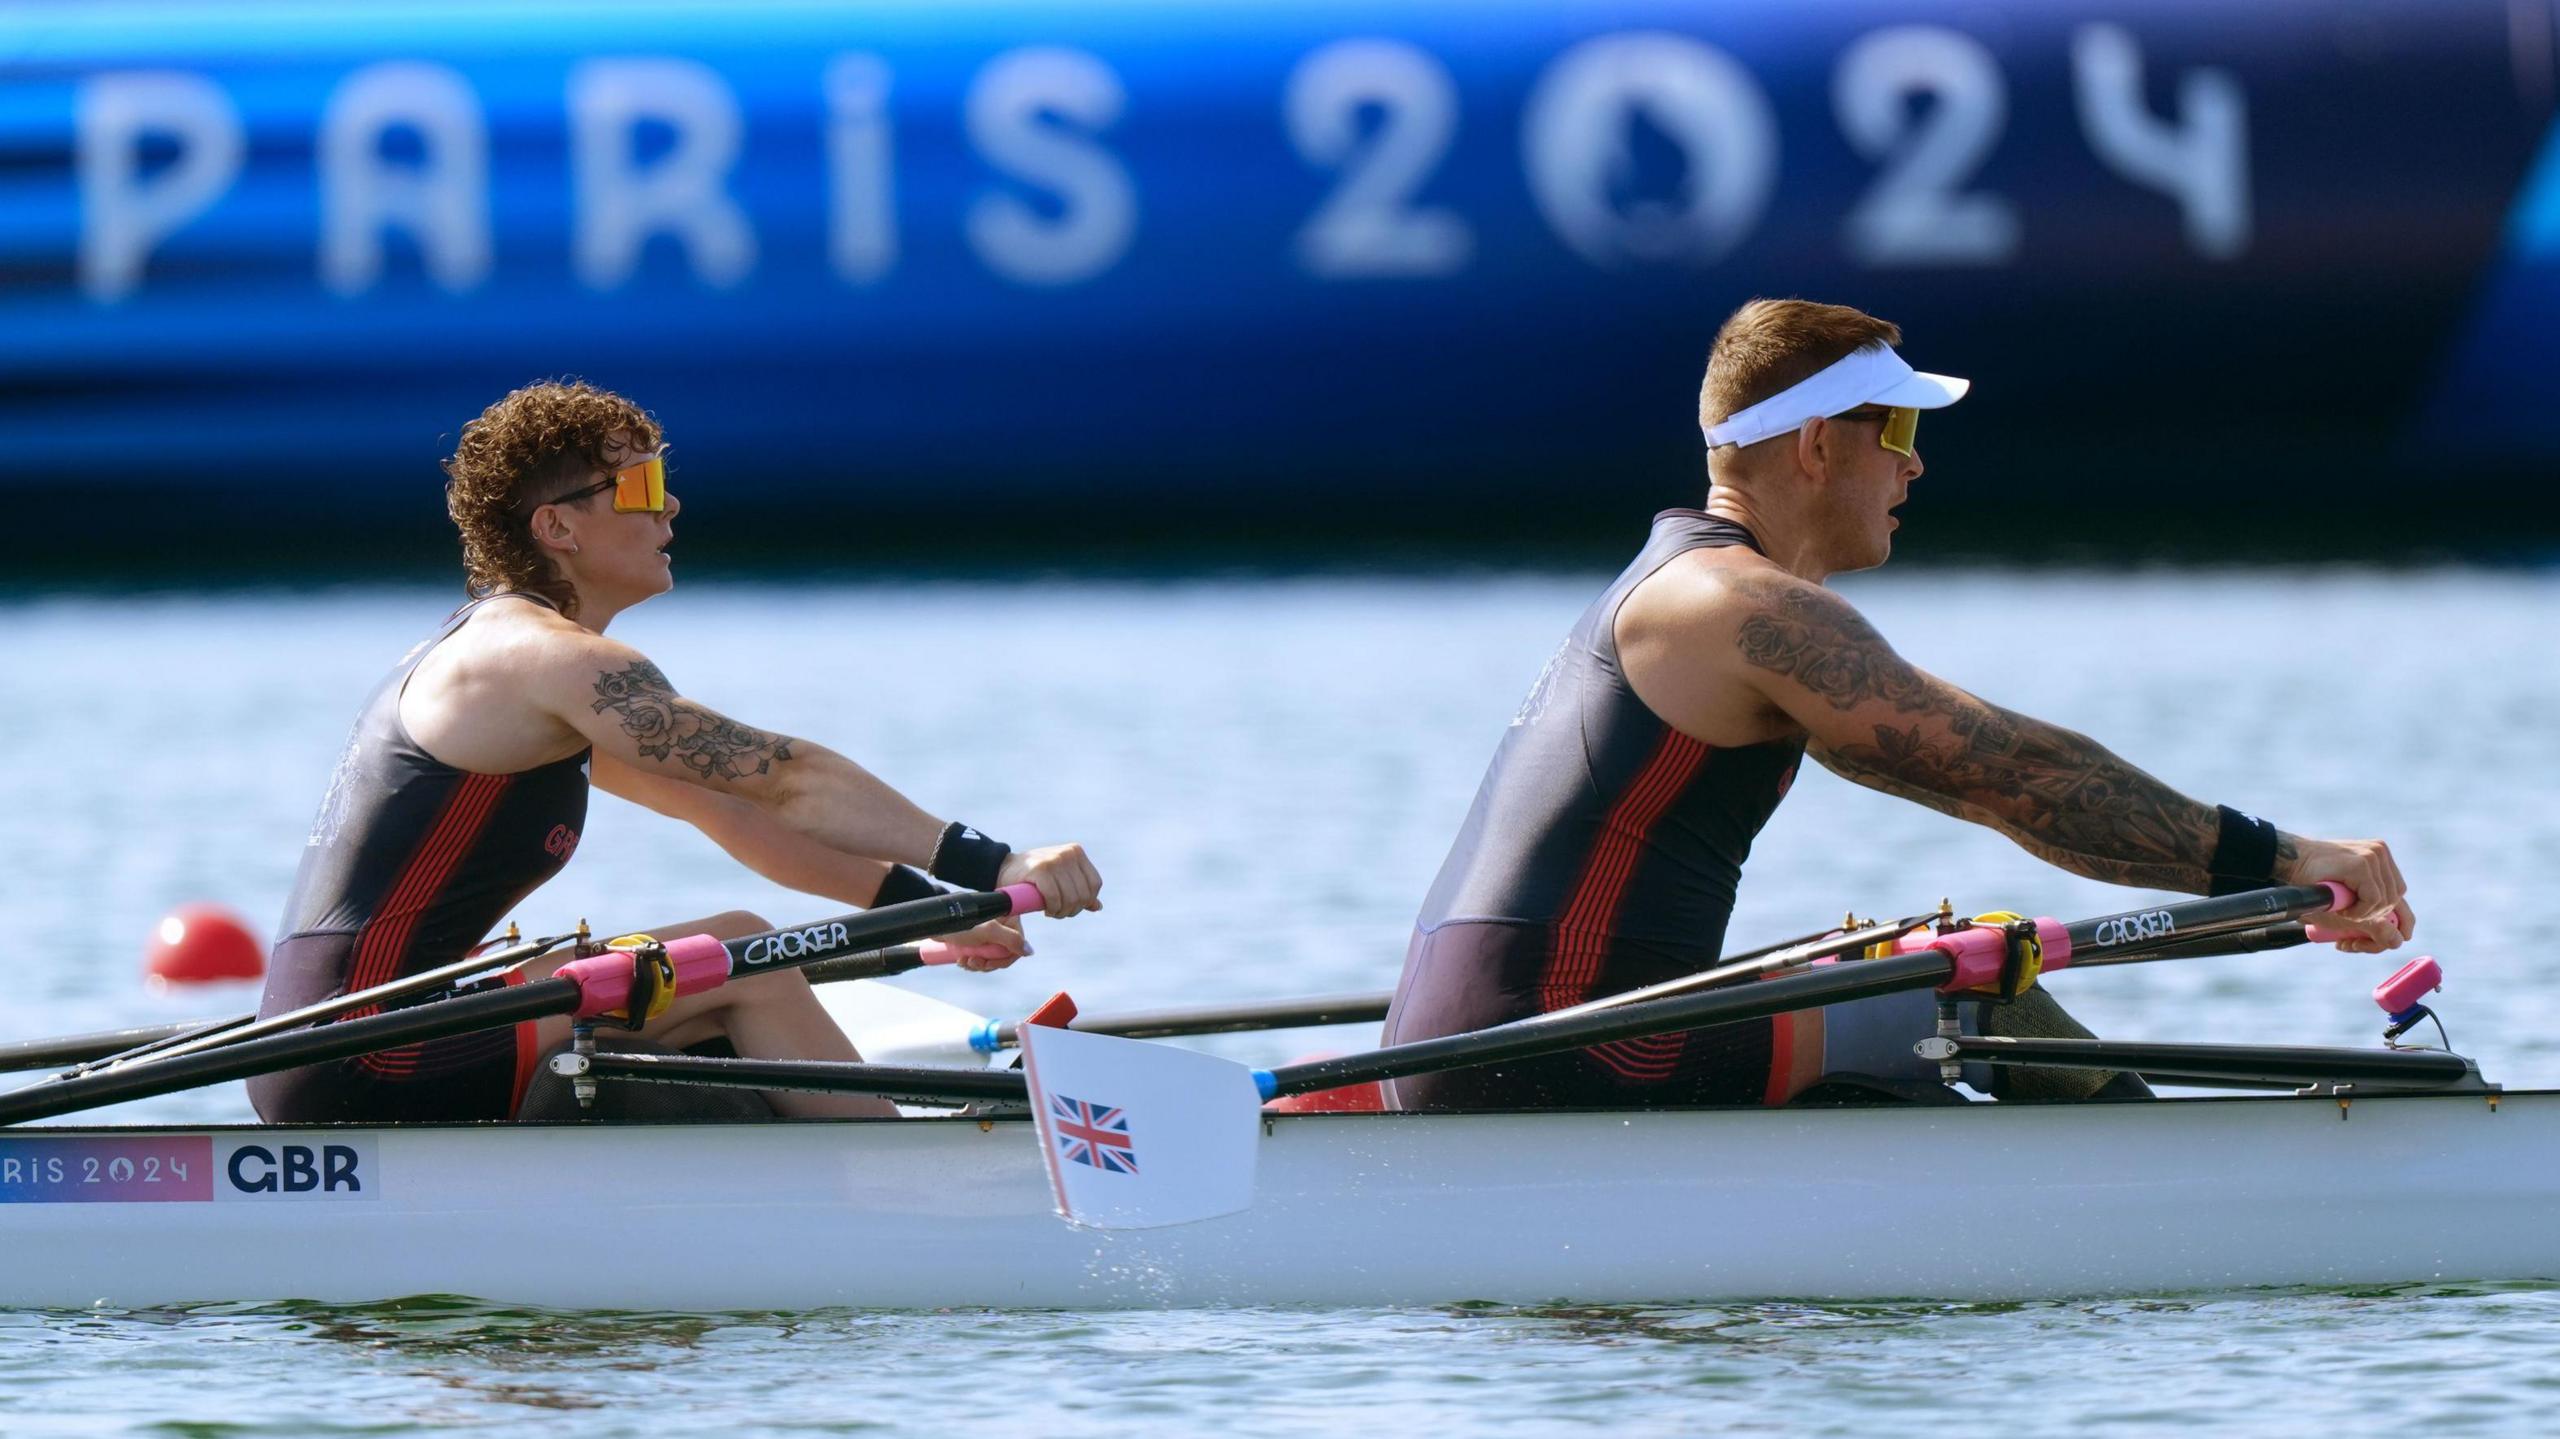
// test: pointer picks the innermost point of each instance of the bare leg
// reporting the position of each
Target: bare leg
(768, 1016)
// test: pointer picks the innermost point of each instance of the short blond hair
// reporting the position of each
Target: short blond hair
(1769, 345)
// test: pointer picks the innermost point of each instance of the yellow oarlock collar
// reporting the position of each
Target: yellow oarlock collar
(653, 979)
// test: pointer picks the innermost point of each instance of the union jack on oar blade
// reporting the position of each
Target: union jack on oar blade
(1090, 1134)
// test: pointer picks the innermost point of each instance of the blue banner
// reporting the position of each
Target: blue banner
(1247, 254)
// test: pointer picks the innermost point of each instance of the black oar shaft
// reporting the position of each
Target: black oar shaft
(1313, 1010)
(2164, 926)
(343, 1040)
(2244, 941)
(800, 945)
(215, 1033)
(153, 1041)
(81, 1048)
(247, 1027)
(848, 934)
(2289, 1064)
(1522, 1039)
(877, 964)
(812, 1076)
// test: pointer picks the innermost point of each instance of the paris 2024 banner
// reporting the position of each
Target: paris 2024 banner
(1354, 263)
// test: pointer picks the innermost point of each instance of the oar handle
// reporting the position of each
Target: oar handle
(796, 945)
(2326, 934)
(897, 959)
(698, 962)
(2123, 935)
(2259, 918)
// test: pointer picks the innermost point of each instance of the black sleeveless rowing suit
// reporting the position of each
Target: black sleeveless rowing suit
(1601, 855)
(409, 864)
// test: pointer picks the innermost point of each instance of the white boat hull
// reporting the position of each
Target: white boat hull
(1975, 1202)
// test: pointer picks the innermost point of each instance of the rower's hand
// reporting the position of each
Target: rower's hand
(2380, 918)
(989, 947)
(1067, 881)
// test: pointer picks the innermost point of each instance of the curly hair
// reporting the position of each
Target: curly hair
(529, 446)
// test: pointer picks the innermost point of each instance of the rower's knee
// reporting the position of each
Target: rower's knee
(735, 924)
(779, 986)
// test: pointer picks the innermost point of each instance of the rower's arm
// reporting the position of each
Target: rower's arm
(1879, 721)
(626, 708)
(749, 835)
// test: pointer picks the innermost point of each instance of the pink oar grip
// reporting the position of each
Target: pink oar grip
(2340, 896)
(934, 951)
(1026, 898)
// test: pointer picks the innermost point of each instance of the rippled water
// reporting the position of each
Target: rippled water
(1268, 771)
(2473, 1360)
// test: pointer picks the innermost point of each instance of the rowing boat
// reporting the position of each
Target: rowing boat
(2369, 1167)
(1963, 1202)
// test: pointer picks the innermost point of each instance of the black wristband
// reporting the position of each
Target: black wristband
(904, 882)
(967, 858)
(2244, 854)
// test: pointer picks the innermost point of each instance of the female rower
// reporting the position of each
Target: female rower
(465, 783)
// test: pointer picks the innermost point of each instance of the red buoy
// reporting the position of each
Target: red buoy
(1364, 1098)
(202, 944)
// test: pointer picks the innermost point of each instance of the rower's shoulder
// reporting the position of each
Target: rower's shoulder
(526, 643)
(1721, 589)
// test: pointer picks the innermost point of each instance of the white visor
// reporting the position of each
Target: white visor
(1872, 375)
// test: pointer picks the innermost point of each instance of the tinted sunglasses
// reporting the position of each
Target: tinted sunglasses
(638, 488)
(1901, 427)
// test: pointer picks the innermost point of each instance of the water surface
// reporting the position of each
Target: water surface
(1268, 771)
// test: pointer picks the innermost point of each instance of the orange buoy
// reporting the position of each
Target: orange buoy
(202, 944)
(1363, 1098)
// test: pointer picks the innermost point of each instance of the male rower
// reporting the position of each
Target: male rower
(1607, 838)
(465, 784)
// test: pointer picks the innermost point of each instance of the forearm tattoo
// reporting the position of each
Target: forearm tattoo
(2061, 795)
(664, 726)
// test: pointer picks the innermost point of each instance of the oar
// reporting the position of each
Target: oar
(1309, 1012)
(248, 1026)
(81, 1048)
(930, 1085)
(154, 1040)
(583, 988)
(1139, 1135)
(2239, 920)
(950, 1035)
(1758, 965)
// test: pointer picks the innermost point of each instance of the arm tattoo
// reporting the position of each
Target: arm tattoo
(664, 726)
(2061, 795)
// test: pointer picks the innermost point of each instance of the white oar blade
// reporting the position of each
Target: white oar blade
(891, 1025)
(1139, 1135)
